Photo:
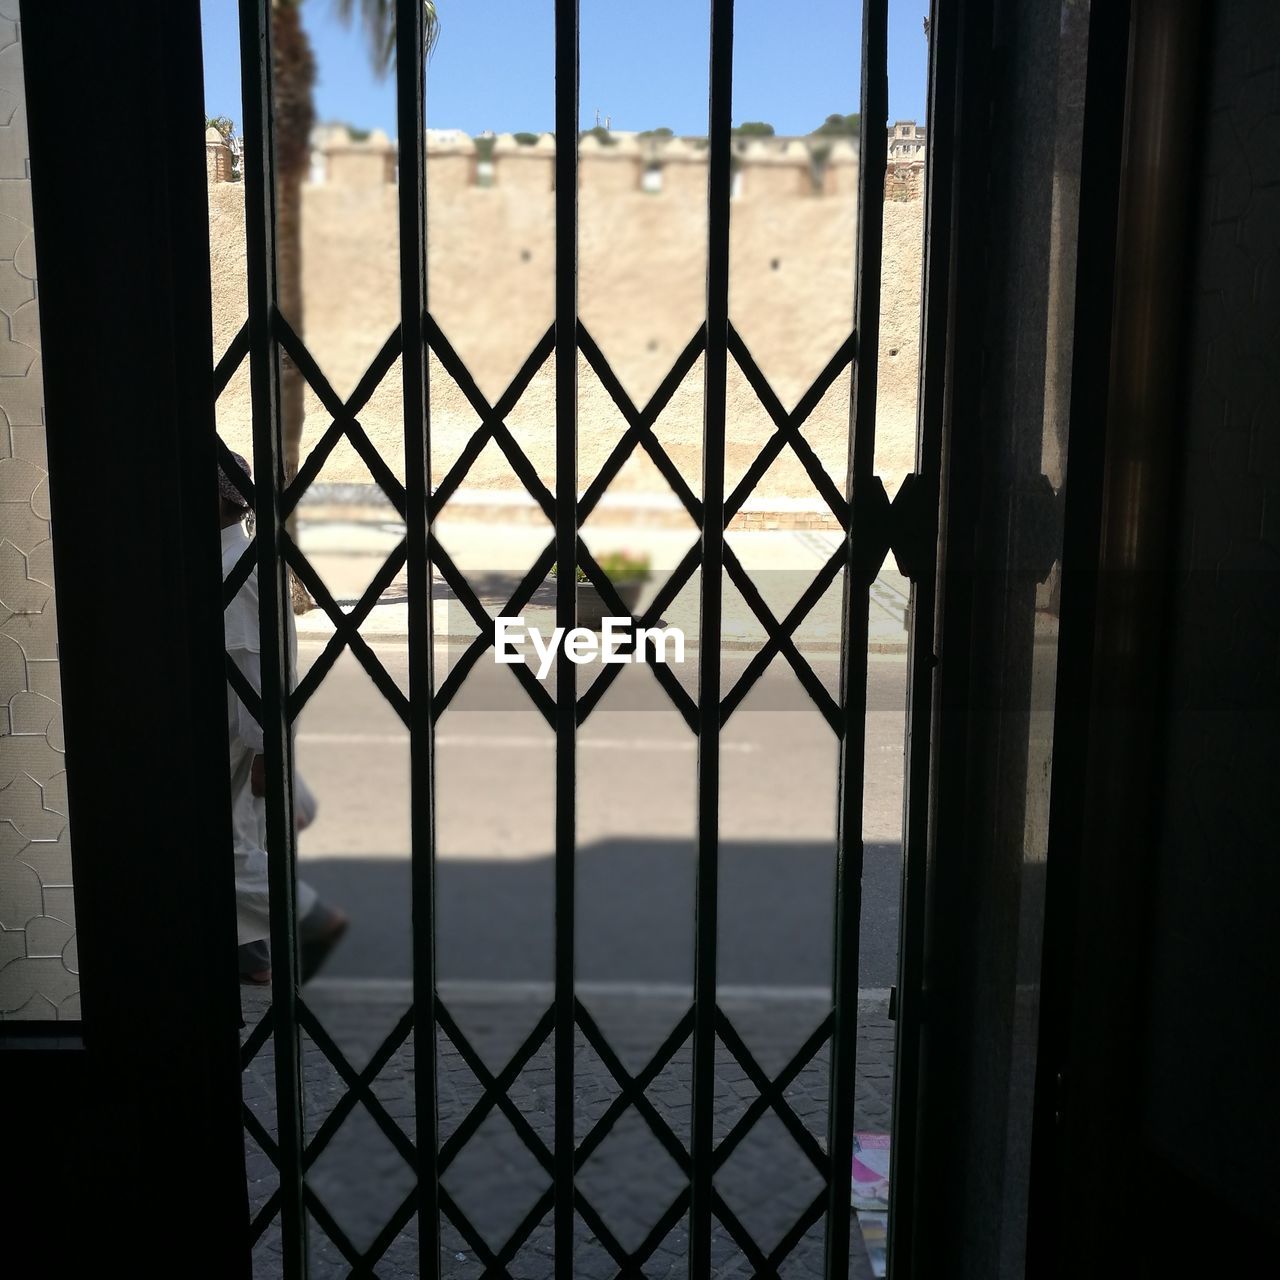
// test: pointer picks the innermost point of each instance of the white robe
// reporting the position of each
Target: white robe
(244, 735)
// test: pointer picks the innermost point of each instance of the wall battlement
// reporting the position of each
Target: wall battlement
(642, 248)
(764, 168)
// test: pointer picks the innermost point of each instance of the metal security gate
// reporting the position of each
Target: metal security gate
(872, 527)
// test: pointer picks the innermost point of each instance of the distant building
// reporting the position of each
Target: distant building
(906, 141)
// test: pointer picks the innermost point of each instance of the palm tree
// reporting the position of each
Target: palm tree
(293, 83)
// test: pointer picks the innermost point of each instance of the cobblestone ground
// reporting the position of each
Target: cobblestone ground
(628, 1182)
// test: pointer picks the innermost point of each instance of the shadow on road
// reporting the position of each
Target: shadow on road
(494, 917)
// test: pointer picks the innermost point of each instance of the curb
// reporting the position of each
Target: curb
(727, 645)
(364, 504)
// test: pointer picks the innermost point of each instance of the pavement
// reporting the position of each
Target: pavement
(630, 1180)
(348, 553)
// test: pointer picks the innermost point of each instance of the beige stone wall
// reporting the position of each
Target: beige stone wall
(642, 260)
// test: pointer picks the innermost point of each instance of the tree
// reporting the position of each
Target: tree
(293, 75)
(227, 128)
(754, 129)
(224, 125)
(839, 126)
(293, 84)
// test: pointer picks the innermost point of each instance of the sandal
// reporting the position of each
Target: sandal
(313, 951)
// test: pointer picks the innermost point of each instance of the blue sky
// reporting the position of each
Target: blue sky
(643, 64)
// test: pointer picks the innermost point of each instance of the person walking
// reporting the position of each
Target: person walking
(320, 926)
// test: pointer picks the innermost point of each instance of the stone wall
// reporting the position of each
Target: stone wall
(642, 260)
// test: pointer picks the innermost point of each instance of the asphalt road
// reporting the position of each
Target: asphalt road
(637, 770)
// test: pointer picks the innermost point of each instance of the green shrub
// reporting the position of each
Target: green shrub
(617, 566)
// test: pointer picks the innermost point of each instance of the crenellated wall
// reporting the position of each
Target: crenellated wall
(642, 261)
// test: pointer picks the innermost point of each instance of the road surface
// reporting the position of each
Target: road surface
(636, 829)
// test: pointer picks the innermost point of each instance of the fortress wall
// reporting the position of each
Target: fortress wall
(642, 259)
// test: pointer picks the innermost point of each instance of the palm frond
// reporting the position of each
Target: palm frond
(378, 18)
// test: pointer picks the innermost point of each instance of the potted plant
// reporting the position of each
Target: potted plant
(626, 570)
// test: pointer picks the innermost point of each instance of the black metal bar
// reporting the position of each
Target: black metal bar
(770, 1091)
(773, 1094)
(566, 522)
(411, 124)
(659, 1231)
(256, 1038)
(244, 690)
(782, 1250)
(235, 473)
(738, 1233)
(781, 640)
(492, 418)
(359, 1091)
(478, 1244)
(921, 640)
(600, 1229)
(258, 1132)
(239, 575)
(495, 1087)
(863, 490)
(640, 423)
(1145, 212)
(520, 671)
(715, 366)
(231, 360)
(320, 451)
(631, 1087)
(532, 580)
(541, 1207)
(386, 1237)
(331, 1228)
(669, 681)
(345, 632)
(273, 597)
(658, 1126)
(294, 347)
(779, 632)
(788, 427)
(666, 594)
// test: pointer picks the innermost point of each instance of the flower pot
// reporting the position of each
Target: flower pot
(592, 610)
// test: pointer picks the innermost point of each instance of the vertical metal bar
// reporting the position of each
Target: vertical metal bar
(566, 605)
(921, 651)
(1141, 198)
(859, 575)
(411, 58)
(713, 446)
(273, 600)
(126, 336)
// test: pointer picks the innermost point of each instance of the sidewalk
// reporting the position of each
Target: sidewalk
(348, 552)
(629, 1180)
